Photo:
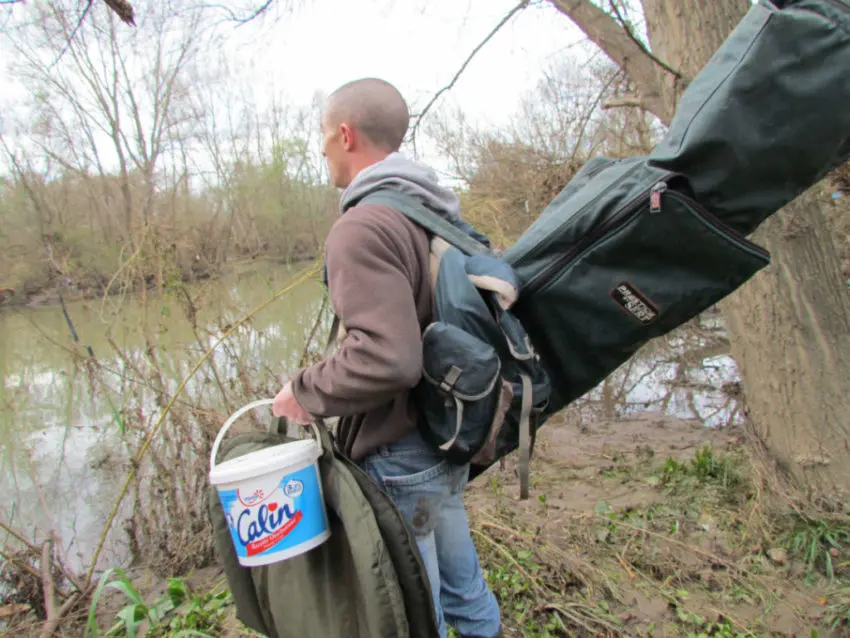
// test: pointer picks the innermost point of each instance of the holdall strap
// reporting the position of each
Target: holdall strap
(332, 335)
(525, 436)
(429, 220)
(324, 437)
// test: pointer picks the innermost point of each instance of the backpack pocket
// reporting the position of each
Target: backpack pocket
(461, 391)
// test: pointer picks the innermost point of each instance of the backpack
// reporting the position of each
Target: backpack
(632, 248)
(367, 580)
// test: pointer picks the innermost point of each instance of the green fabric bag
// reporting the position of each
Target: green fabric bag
(366, 581)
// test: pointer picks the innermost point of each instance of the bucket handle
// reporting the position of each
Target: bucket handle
(245, 408)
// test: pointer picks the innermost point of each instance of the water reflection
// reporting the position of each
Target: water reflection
(688, 374)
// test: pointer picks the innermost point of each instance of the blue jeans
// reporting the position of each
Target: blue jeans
(428, 491)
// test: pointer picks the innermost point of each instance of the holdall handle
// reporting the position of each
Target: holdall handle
(245, 408)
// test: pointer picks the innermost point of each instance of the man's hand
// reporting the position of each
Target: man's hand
(286, 406)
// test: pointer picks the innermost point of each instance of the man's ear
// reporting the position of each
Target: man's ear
(347, 136)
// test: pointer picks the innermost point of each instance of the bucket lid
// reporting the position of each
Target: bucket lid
(264, 461)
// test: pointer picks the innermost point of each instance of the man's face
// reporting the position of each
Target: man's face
(334, 153)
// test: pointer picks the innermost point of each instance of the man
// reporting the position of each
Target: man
(379, 286)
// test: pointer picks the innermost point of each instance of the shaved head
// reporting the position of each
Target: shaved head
(373, 107)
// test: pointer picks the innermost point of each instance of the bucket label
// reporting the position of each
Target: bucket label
(270, 515)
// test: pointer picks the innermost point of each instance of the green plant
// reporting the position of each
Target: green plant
(705, 469)
(178, 612)
(817, 542)
(837, 612)
(699, 627)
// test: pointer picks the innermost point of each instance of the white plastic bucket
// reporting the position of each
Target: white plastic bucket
(272, 498)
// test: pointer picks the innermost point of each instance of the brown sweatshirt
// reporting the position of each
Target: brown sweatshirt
(378, 282)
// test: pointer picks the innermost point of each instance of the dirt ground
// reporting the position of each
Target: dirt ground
(650, 552)
(632, 528)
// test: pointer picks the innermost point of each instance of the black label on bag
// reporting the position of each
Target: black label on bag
(633, 302)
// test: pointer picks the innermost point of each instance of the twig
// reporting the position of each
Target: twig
(622, 558)
(136, 462)
(522, 5)
(22, 565)
(303, 360)
(256, 13)
(12, 532)
(744, 576)
(54, 615)
(503, 529)
(569, 616)
(73, 34)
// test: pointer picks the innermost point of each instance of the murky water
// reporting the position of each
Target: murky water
(64, 455)
(64, 427)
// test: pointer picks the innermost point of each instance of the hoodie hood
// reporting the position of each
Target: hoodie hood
(407, 176)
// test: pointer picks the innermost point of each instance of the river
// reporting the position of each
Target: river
(68, 428)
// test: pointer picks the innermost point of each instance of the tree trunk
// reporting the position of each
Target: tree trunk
(790, 325)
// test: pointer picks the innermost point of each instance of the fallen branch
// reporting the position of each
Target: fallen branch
(37, 550)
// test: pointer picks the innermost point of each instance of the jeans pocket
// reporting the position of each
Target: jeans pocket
(418, 493)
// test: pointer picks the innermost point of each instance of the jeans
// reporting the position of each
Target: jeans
(428, 491)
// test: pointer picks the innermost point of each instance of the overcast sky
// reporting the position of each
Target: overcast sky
(418, 45)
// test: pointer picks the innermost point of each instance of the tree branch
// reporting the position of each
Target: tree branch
(624, 50)
(628, 29)
(522, 5)
(624, 102)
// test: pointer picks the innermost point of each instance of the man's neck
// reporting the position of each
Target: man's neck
(365, 160)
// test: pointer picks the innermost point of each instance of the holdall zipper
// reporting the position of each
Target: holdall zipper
(626, 214)
(543, 245)
(719, 225)
(612, 223)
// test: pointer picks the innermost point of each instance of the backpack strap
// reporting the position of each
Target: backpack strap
(428, 219)
(460, 239)
(524, 436)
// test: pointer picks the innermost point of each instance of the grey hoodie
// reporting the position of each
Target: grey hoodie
(406, 176)
(409, 177)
